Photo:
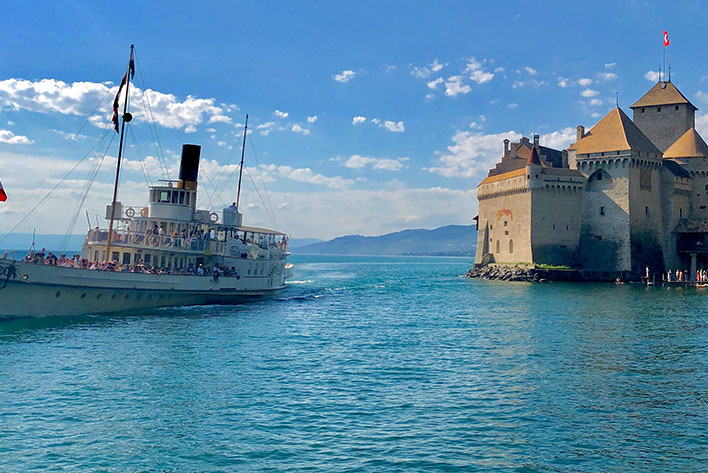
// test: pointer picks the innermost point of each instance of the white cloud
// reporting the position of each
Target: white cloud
(190, 129)
(69, 136)
(610, 65)
(702, 124)
(530, 82)
(454, 86)
(280, 114)
(423, 72)
(562, 81)
(702, 96)
(595, 102)
(652, 76)
(265, 128)
(472, 154)
(358, 120)
(307, 176)
(607, 76)
(298, 129)
(476, 72)
(80, 98)
(375, 121)
(585, 82)
(391, 68)
(530, 70)
(312, 119)
(589, 93)
(436, 66)
(383, 164)
(394, 127)
(10, 123)
(210, 130)
(344, 76)
(221, 143)
(433, 84)
(512, 105)
(6, 136)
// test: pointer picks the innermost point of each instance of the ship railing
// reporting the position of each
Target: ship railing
(123, 238)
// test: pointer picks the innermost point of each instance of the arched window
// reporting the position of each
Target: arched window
(599, 180)
(511, 246)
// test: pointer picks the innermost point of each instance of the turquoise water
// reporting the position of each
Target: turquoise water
(371, 365)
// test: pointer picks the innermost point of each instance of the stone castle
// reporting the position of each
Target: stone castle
(627, 195)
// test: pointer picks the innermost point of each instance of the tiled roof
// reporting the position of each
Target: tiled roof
(615, 132)
(689, 145)
(533, 158)
(503, 176)
(663, 93)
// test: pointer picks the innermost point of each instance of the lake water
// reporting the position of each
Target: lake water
(373, 365)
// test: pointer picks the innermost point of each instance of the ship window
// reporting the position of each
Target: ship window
(115, 256)
(164, 196)
(147, 258)
(126, 258)
(152, 196)
(181, 197)
(175, 195)
(186, 199)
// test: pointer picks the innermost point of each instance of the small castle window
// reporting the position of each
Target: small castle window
(658, 109)
(506, 232)
(498, 246)
(566, 227)
(511, 246)
(677, 107)
(680, 213)
(554, 226)
(505, 223)
(642, 109)
(702, 207)
(602, 210)
(491, 227)
(646, 211)
(599, 176)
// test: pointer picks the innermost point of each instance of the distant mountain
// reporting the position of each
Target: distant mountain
(22, 241)
(299, 242)
(451, 240)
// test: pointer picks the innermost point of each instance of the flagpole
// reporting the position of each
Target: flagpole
(240, 170)
(120, 156)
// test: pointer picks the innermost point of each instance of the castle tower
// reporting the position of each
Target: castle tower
(663, 114)
(621, 227)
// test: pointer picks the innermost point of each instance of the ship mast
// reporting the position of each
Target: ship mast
(126, 118)
(240, 169)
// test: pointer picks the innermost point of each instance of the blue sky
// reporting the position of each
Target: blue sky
(366, 117)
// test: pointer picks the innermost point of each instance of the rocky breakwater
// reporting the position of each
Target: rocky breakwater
(506, 273)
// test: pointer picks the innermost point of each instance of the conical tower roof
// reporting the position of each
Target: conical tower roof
(690, 145)
(615, 132)
(663, 93)
(533, 158)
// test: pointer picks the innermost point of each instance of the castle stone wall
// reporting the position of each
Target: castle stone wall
(646, 226)
(664, 124)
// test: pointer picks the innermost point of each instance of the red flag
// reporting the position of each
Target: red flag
(3, 196)
(115, 103)
(666, 38)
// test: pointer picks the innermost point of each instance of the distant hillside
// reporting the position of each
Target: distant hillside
(22, 241)
(299, 242)
(451, 240)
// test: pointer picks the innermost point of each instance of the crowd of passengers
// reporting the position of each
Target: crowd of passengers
(176, 238)
(50, 259)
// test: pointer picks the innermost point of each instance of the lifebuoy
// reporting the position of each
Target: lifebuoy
(214, 217)
(144, 212)
(154, 240)
(130, 212)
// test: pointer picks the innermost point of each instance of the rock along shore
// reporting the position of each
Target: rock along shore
(502, 272)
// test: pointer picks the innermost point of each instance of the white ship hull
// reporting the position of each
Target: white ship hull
(42, 290)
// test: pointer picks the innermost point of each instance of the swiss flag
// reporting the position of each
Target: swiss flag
(666, 38)
(3, 196)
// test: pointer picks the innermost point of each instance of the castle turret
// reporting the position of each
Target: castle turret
(664, 114)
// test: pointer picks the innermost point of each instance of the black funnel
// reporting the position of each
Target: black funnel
(189, 165)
